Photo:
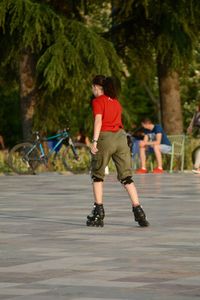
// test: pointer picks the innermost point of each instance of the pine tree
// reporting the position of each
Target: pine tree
(56, 55)
(163, 33)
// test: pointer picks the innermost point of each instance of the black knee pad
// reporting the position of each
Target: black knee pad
(96, 179)
(127, 180)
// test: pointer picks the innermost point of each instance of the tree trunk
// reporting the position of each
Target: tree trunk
(170, 102)
(28, 92)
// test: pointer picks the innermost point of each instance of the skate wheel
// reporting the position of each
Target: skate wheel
(89, 223)
(144, 223)
(93, 224)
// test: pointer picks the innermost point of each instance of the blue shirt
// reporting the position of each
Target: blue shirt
(152, 134)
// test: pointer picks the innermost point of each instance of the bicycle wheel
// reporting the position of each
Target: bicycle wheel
(81, 163)
(55, 161)
(24, 158)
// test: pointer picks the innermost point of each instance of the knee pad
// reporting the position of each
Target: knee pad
(96, 179)
(127, 180)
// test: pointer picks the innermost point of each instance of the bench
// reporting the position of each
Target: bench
(178, 150)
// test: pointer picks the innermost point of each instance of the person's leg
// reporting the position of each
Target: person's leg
(158, 155)
(133, 195)
(122, 163)
(99, 163)
(142, 154)
(122, 160)
(97, 215)
(98, 192)
(143, 157)
(137, 209)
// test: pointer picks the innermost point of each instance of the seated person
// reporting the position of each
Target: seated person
(155, 140)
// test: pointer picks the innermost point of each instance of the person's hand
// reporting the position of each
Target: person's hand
(142, 143)
(93, 148)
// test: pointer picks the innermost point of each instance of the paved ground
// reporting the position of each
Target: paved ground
(47, 252)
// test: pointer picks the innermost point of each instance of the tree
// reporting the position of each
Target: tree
(163, 33)
(56, 55)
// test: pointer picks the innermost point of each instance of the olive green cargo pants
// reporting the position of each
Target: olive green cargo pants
(112, 145)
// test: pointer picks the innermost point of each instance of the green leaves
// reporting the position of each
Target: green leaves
(73, 56)
(67, 50)
(33, 22)
(66, 54)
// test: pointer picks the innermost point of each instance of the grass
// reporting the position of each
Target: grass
(4, 168)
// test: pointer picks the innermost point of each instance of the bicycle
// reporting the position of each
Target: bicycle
(25, 158)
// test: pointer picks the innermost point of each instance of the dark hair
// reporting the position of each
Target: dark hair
(99, 80)
(108, 84)
(146, 120)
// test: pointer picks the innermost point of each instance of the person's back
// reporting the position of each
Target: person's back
(110, 141)
(111, 110)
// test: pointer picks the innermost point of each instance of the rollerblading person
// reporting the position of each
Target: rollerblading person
(110, 141)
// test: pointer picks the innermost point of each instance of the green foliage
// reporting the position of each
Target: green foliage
(65, 37)
(58, 112)
(68, 54)
(98, 15)
(4, 168)
(67, 48)
(165, 28)
(31, 21)
(154, 36)
(190, 93)
(75, 57)
(136, 102)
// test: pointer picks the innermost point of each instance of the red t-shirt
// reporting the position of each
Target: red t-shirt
(111, 111)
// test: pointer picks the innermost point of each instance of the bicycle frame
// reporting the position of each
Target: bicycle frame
(61, 135)
(24, 158)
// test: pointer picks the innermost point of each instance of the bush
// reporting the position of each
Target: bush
(4, 168)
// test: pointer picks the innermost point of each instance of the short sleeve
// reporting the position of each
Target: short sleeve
(97, 107)
(158, 129)
(146, 131)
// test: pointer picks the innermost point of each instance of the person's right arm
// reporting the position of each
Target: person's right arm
(96, 133)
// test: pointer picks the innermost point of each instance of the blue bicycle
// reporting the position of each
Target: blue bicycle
(53, 152)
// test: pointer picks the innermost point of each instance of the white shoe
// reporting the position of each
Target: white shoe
(196, 171)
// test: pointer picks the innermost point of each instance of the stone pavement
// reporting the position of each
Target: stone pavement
(47, 252)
